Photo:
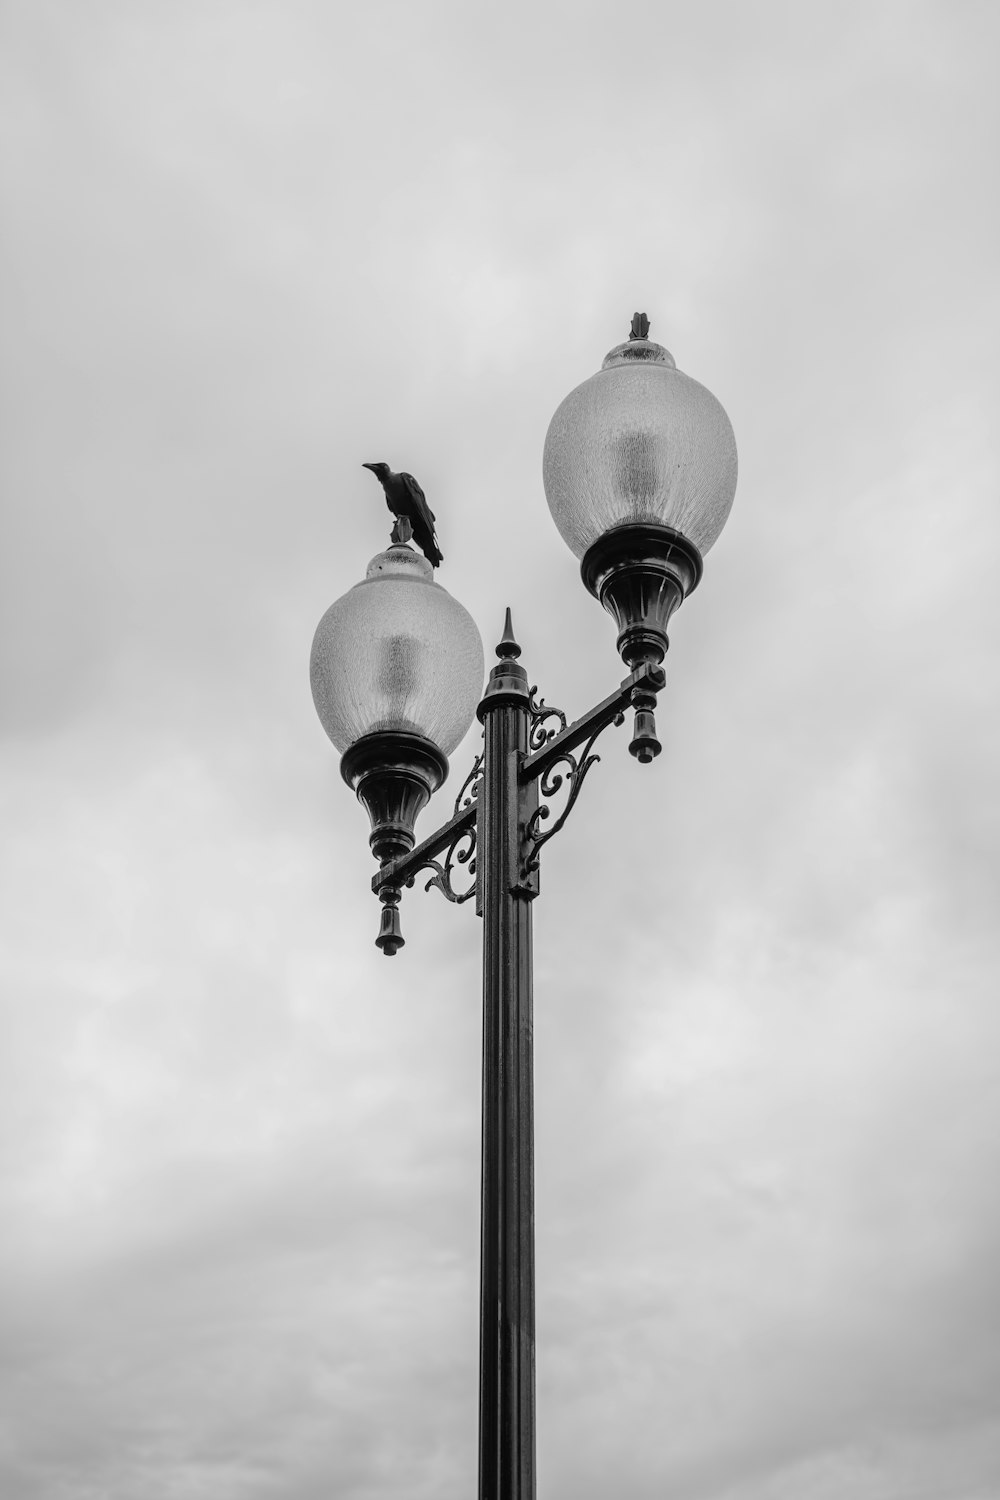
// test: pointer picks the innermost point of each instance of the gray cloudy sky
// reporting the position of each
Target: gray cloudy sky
(246, 247)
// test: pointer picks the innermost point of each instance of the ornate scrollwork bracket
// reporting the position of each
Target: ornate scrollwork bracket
(469, 790)
(539, 711)
(462, 849)
(559, 759)
(456, 841)
(460, 852)
(566, 770)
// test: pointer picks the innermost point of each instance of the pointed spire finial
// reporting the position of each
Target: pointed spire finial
(508, 647)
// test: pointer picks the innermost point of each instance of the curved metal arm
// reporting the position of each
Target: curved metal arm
(456, 854)
(456, 840)
(555, 761)
(550, 782)
(444, 869)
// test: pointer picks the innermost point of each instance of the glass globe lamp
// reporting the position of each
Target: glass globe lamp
(639, 471)
(397, 671)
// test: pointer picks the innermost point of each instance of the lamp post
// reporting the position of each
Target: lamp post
(639, 470)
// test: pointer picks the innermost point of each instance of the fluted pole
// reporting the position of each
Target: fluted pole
(507, 1285)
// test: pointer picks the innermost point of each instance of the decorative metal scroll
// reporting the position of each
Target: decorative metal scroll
(539, 711)
(469, 790)
(569, 769)
(461, 851)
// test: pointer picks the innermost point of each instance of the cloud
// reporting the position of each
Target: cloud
(240, 1153)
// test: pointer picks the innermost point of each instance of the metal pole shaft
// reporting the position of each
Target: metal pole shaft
(507, 1285)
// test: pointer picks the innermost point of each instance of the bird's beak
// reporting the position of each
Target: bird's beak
(369, 466)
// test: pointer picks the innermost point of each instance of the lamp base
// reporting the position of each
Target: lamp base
(394, 775)
(641, 573)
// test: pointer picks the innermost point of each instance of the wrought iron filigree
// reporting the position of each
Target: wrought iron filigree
(460, 852)
(575, 766)
(539, 711)
(469, 790)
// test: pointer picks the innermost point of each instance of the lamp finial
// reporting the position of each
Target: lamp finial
(508, 647)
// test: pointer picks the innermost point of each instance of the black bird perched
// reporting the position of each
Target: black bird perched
(404, 497)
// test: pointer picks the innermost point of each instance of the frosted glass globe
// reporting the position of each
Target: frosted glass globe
(397, 652)
(639, 442)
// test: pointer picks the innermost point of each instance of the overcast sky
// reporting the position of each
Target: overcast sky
(246, 248)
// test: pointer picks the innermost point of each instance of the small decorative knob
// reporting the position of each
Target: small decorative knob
(390, 934)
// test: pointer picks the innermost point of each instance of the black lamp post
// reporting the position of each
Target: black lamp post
(640, 474)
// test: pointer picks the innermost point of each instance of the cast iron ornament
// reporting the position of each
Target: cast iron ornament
(462, 847)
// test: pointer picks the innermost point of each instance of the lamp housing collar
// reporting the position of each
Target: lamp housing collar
(638, 352)
(641, 573)
(394, 775)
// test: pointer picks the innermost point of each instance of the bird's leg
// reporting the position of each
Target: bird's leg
(403, 530)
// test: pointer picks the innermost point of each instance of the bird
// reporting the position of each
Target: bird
(404, 497)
